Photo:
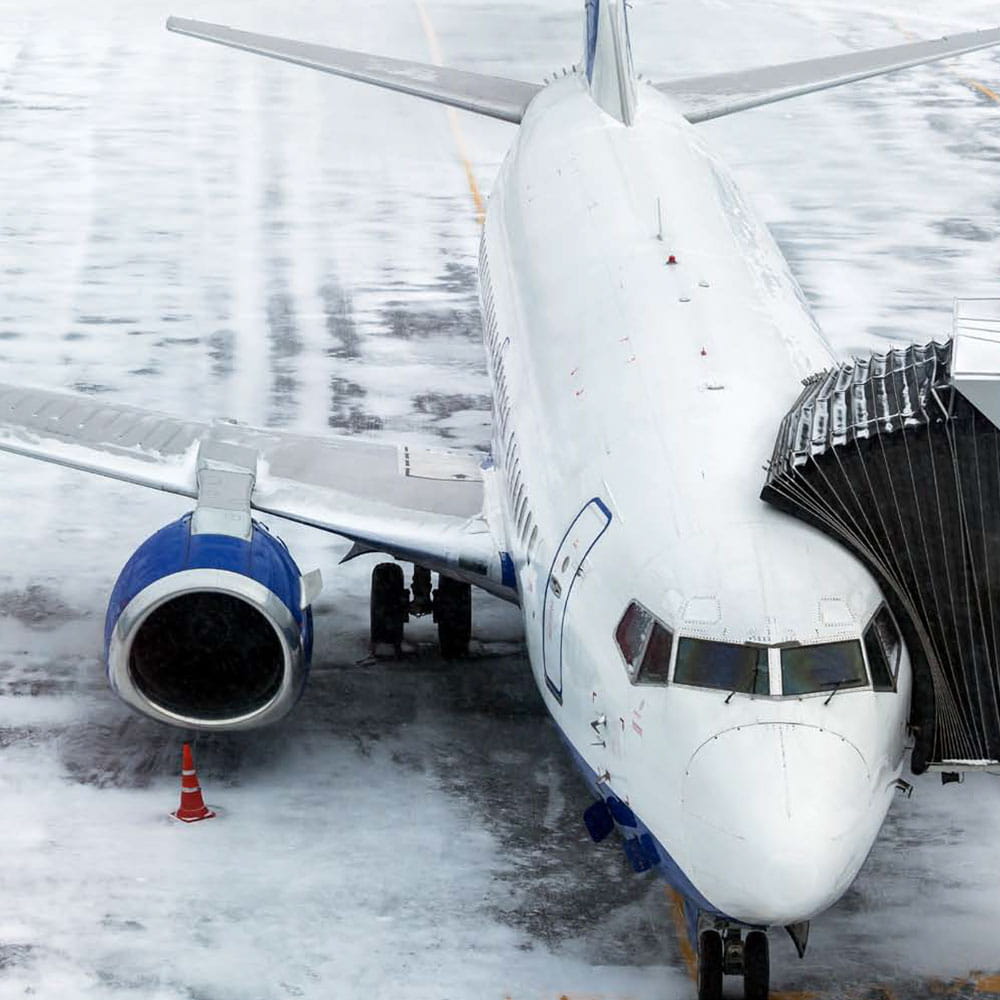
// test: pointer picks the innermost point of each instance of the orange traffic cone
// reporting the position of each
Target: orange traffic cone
(192, 807)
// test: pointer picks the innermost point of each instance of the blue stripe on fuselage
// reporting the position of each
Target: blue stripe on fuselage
(508, 575)
(669, 870)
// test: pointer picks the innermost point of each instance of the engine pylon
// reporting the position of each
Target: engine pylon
(192, 807)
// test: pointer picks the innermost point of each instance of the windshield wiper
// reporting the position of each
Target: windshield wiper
(753, 683)
(836, 685)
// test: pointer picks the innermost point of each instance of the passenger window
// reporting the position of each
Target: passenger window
(655, 667)
(884, 647)
(825, 667)
(726, 666)
(526, 529)
(631, 635)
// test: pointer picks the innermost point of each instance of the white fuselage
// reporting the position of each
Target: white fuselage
(636, 402)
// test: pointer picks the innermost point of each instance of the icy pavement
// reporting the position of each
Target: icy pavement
(209, 233)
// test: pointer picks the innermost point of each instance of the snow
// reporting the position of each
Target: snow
(205, 233)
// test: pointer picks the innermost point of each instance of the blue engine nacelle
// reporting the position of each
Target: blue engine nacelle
(209, 631)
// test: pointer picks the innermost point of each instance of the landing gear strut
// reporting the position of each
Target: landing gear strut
(732, 951)
(392, 608)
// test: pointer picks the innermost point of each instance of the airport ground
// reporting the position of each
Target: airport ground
(211, 234)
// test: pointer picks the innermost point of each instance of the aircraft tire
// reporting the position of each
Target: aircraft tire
(756, 966)
(453, 614)
(710, 966)
(389, 603)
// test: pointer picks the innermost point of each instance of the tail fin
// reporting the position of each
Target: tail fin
(608, 59)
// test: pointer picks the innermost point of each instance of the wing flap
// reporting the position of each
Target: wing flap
(493, 96)
(706, 97)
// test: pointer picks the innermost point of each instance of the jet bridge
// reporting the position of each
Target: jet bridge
(897, 456)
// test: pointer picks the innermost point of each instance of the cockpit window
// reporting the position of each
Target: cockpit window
(632, 632)
(723, 665)
(645, 644)
(655, 667)
(829, 666)
(884, 647)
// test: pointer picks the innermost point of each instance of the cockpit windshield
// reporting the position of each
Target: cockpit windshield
(723, 665)
(827, 666)
(649, 649)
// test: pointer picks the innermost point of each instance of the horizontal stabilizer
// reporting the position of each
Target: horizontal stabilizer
(705, 97)
(493, 96)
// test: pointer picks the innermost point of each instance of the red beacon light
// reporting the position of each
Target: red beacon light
(671, 259)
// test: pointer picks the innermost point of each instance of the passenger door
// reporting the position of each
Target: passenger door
(577, 543)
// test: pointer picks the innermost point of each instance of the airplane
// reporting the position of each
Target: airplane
(731, 682)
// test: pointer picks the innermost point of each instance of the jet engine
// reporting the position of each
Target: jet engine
(209, 631)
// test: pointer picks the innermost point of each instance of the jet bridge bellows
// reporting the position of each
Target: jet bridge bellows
(890, 456)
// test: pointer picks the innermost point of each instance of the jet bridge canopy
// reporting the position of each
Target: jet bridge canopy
(897, 456)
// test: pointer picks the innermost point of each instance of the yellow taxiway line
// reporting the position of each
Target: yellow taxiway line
(453, 122)
(982, 88)
(975, 85)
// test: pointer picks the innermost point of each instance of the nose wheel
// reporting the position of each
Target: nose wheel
(731, 951)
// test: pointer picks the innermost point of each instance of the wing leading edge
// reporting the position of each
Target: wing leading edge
(419, 504)
(706, 97)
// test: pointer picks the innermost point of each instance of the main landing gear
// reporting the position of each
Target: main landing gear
(392, 607)
(730, 951)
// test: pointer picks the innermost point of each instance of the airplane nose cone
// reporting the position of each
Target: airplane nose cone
(776, 820)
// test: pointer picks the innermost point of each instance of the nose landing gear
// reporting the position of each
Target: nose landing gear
(391, 608)
(731, 951)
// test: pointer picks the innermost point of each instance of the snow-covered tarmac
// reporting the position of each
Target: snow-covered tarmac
(212, 234)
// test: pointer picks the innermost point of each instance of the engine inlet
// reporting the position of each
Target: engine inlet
(207, 655)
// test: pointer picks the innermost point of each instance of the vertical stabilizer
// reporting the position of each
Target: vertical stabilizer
(608, 59)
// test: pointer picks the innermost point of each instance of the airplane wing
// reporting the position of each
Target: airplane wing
(419, 504)
(706, 97)
(493, 96)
